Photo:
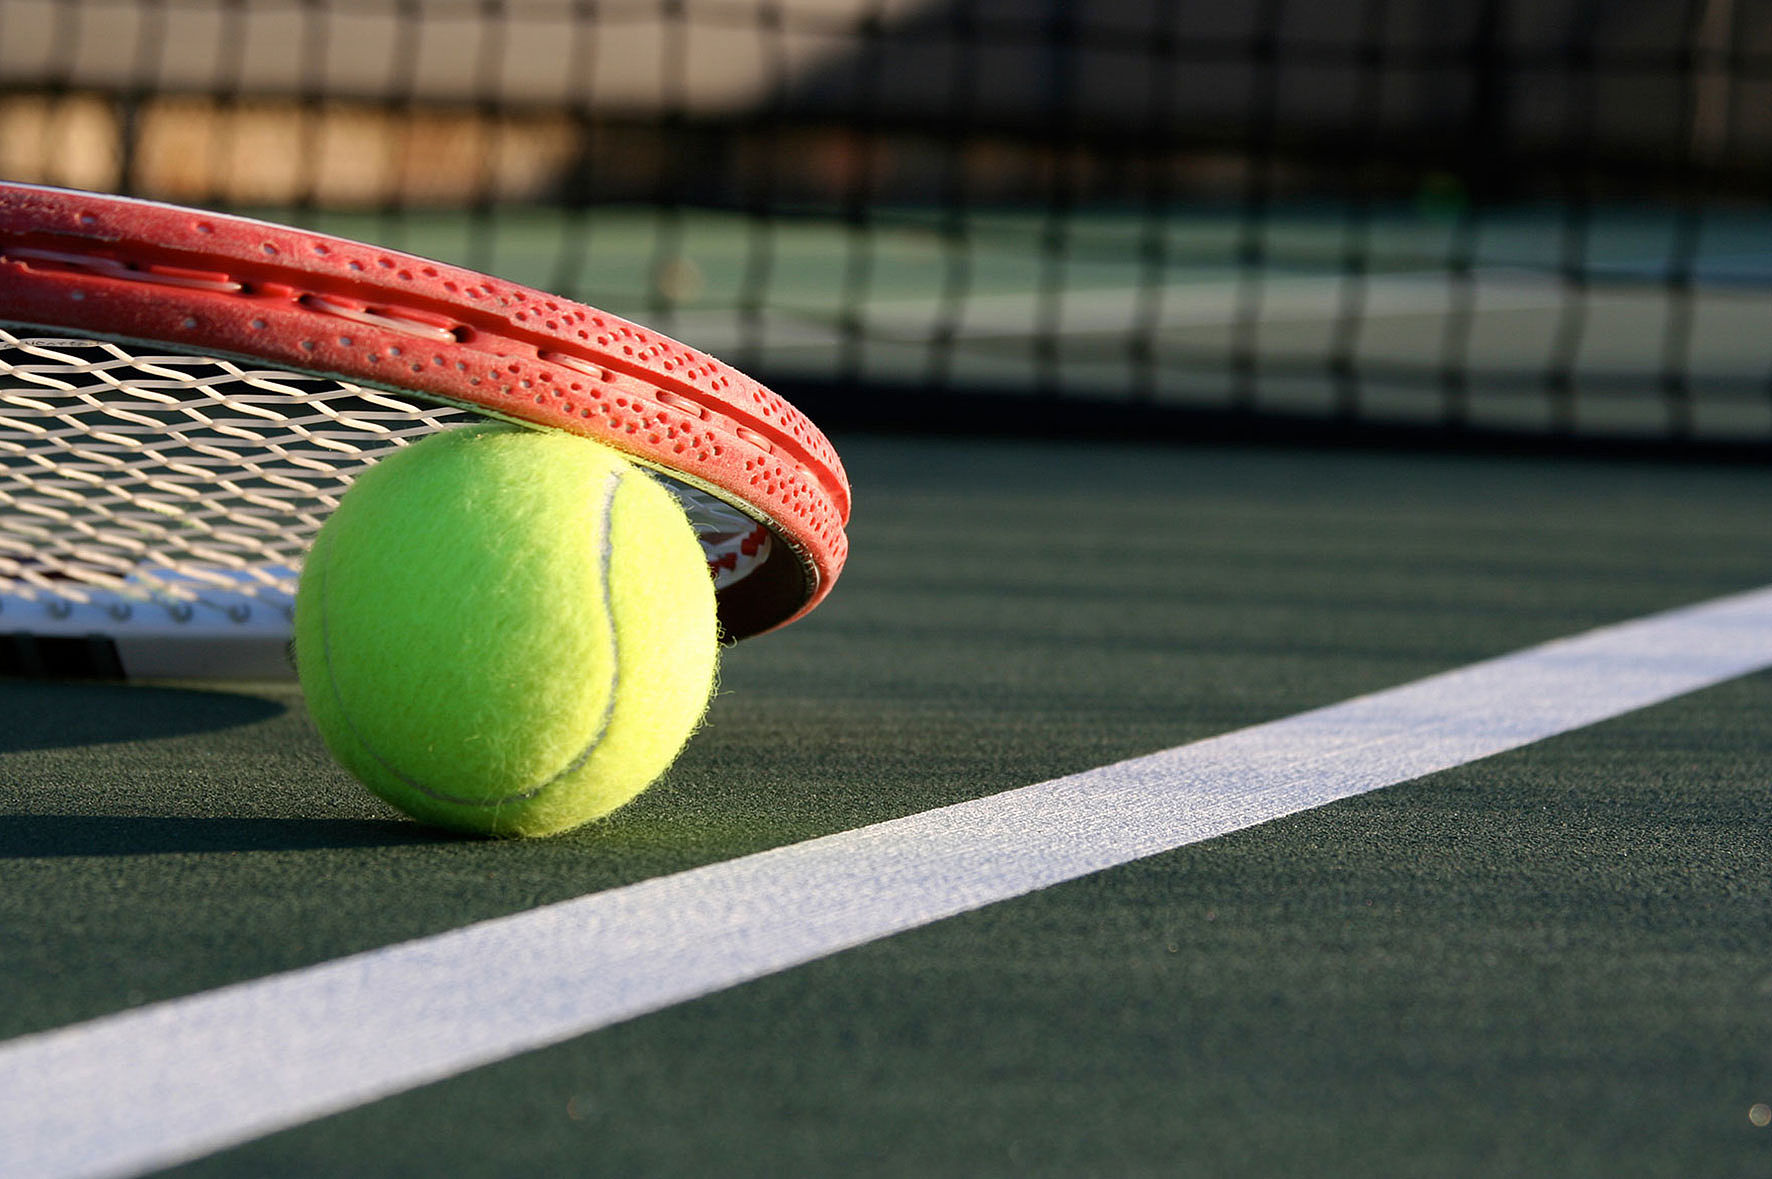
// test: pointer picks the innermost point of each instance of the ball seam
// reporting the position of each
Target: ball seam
(605, 560)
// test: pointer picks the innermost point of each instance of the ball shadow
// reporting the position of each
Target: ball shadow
(31, 836)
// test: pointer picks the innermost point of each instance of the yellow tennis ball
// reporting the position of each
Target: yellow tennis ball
(505, 631)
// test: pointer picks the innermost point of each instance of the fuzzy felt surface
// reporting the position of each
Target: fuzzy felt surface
(506, 632)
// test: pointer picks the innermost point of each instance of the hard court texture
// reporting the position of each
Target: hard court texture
(1552, 961)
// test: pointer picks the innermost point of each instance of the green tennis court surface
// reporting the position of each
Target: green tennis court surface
(1551, 961)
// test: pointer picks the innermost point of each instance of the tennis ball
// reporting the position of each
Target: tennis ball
(506, 632)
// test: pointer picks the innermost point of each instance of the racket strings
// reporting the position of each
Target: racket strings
(128, 475)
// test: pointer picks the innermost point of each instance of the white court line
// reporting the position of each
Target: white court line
(176, 1080)
(1219, 303)
(1117, 310)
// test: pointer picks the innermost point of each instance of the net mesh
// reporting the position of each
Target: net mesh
(1544, 218)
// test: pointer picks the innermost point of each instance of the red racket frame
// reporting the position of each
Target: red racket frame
(207, 283)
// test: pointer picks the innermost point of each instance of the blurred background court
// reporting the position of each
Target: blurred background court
(1196, 362)
(1546, 220)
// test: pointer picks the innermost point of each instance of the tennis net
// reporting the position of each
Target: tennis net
(1461, 218)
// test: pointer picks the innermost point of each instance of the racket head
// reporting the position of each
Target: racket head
(166, 279)
(155, 507)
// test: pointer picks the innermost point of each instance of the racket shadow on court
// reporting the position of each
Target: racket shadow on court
(75, 716)
(66, 715)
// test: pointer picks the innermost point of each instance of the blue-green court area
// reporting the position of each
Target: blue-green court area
(1607, 320)
(1551, 961)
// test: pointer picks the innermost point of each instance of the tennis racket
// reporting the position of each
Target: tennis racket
(184, 396)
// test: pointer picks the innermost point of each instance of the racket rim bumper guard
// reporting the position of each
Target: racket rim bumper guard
(145, 273)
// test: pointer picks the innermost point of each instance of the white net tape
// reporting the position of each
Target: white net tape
(136, 481)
